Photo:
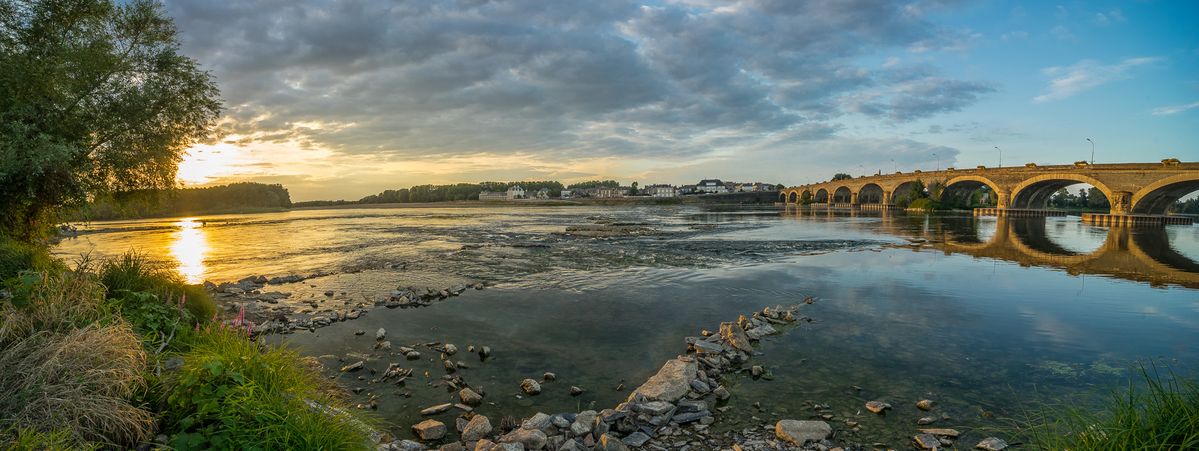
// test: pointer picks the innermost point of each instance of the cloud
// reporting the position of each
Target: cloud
(1086, 75)
(1112, 16)
(570, 79)
(1170, 110)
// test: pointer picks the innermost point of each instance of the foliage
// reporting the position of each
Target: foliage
(1162, 413)
(94, 98)
(17, 256)
(924, 203)
(30, 439)
(67, 366)
(233, 393)
(1186, 207)
(222, 198)
(132, 273)
(595, 184)
(841, 176)
(1086, 199)
(459, 191)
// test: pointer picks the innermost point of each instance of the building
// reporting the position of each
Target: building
(492, 196)
(543, 193)
(754, 187)
(711, 186)
(567, 194)
(661, 191)
(686, 189)
(516, 192)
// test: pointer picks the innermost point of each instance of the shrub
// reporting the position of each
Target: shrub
(923, 203)
(28, 439)
(1163, 414)
(17, 256)
(133, 272)
(234, 393)
(69, 367)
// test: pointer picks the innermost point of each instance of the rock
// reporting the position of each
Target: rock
(636, 439)
(484, 445)
(383, 345)
(877, 406)
(927, 441)
(610, 443)
(440, 408)
(654, 408)
(360, 332)
(721, 393)
(584, 423)
(707, 347)
(757, 371)
(454, 446)
(671, 382)
(538, 421)
(530, 387)
(924, 404)
(449, 349)
(412, 355)
(402, 445)
(692, 405)
(450, 366)
(529, 438)
(700, 386)
(353, 367)
(469, 397)
(575, 391)
(429, 430)
(549, 377)
(477, 428)
(508, 447)
(991, 444)
(684, 418)
(734, 336)
(380, 334)
(798, 432)
(761, 331)
(941, 432)
(925, 421)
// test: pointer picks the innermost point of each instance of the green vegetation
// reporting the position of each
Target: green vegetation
(1157, 412)
(841, 176)
(595, 184)
(1086, 200)
(96, 99)
(1186, 207)
(442, 193)
(236, 197)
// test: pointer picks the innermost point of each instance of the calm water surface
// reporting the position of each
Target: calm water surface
(989, 317)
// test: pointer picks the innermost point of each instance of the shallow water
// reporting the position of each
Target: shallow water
(989, 317)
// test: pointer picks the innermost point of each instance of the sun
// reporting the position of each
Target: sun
(204, 163)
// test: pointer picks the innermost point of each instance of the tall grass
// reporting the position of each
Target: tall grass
(68, 366)
(17, 256)
(235, 393)
(1157, 412)
(136, 273)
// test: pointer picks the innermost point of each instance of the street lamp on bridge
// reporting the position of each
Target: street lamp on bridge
(1000, 156)
(1092, 151)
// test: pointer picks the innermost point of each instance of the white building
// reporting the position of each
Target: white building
(567, 194)
(711, 186)
(661, 191)
(516, 192)
(543, 193)
(492, 196)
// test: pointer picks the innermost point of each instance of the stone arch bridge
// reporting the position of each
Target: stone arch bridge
(1130, 188)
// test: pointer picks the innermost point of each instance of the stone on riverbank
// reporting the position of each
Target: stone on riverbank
(440, 408)
(470, 397)
(530, 387)
(477, 428)
(529, 438)
(798, 432)
(610, 443)
(877, 406)
(381, 333)
(353, 367)
(429, 430)
(924, 404)
(575, 391)
(671, 382)
(991, 444)
(734, 336)
(927, 441)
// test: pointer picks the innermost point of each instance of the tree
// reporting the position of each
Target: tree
(633, 189)
(94, 98)
(841, 176)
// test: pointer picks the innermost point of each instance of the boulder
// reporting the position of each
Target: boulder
(671, 382)
(798, 432)
(575, 391)
(529, 438)
(380, 334)
(734, 336)
(636, 439)
(610, 443)
(477, 428)
(583, 423)
(877, 406)
(927, 441)
(429, 430)
(924, 404)
(353, 367)
(401, 445)
(941, 432)
(991, 444)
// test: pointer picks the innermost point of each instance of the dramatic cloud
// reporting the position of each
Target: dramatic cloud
(563, 79)
(1085, 75)
(1169, 110)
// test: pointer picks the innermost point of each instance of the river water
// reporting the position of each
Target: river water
(991, 318)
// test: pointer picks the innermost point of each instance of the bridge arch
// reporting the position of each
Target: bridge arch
(793, 197)
(842, 195)
(870, 193)
(903, 189)
(1035, 192)
(822, 196)
(1156, 197)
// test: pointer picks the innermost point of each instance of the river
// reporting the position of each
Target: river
(991, 318)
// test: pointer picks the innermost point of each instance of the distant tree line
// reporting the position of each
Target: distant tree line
(155, 202)
(595, 184)
(458, 191)
(1086, 199)
(1186, 207)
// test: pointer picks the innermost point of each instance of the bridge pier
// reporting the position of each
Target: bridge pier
(1101, 219)
(1017, 212)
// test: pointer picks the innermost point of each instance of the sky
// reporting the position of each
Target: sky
(344, 99)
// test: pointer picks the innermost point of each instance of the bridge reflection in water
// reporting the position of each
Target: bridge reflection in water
(1134, 253)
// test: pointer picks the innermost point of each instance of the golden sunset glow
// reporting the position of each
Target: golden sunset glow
(189, 246)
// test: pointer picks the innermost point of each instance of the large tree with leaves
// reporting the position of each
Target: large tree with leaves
(95, 97)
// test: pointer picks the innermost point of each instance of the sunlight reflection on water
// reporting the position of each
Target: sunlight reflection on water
(189, 246)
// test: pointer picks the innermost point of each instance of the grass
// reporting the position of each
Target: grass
(67, 366)
(1157, 412)
(136, 273)
(17, 256)
(235, 393)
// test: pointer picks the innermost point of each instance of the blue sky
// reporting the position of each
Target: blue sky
(341, 100)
